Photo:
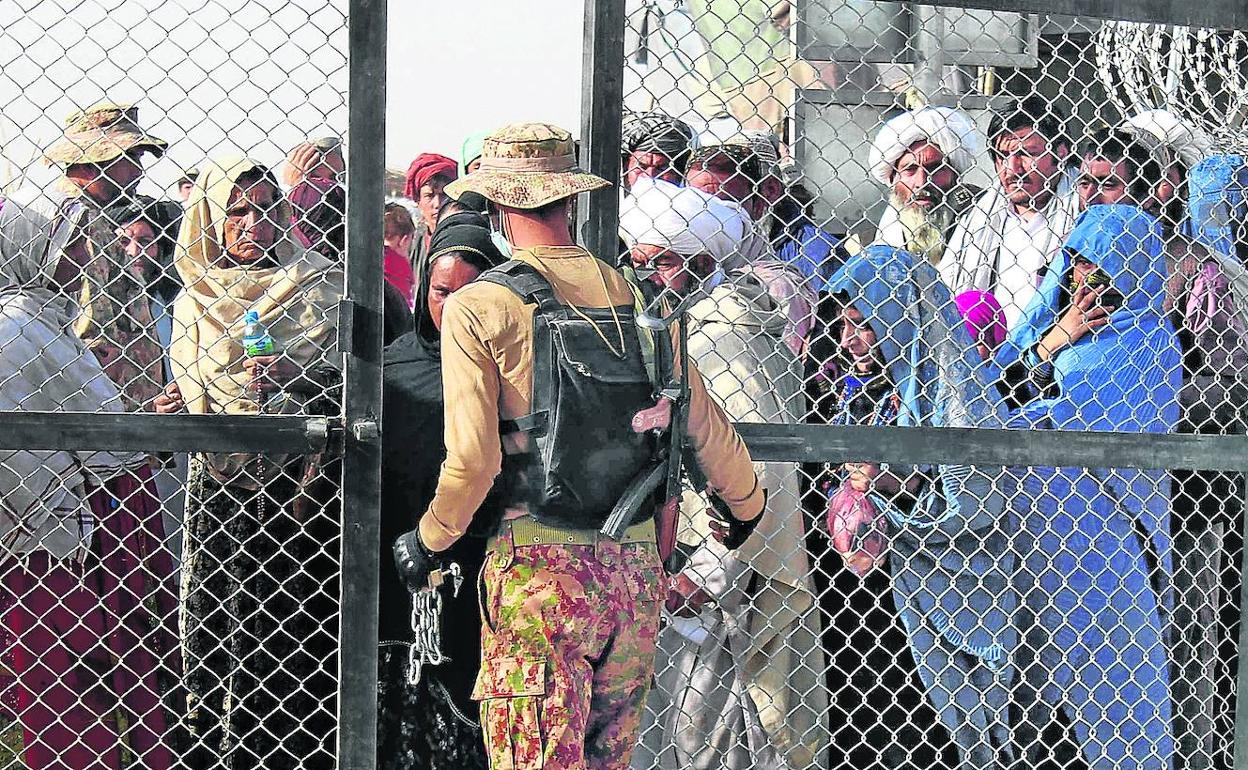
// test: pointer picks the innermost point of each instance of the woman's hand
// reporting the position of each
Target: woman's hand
(269, 374)
(1083, 315)
(169, 401)
(298, 163)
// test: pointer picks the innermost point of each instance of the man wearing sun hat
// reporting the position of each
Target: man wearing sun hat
(101, 152)
(571, 613)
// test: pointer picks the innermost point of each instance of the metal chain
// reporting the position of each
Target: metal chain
(426, 622)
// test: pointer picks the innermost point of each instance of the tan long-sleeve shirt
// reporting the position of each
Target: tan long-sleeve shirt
(487, 371)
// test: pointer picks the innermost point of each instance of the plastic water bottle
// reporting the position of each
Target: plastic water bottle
(256, 342)
(256, 339)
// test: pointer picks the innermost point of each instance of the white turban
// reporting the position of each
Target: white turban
(1162, 129)
(684, 220)
(952, 130)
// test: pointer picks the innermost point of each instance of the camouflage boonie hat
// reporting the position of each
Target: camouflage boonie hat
(526, 166)
(101, 134)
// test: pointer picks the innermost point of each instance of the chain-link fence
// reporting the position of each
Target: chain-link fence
(1001, 221)
(180, 358)
(970, 279)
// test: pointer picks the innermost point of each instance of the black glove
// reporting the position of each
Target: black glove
(738, 531)
(413, 560)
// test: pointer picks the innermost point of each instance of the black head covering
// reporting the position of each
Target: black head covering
(466, 235)
(473, 201)
(164, 217)
(456, 218)
(396, 318)
(658, 132)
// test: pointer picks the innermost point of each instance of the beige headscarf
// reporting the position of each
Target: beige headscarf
(296, 300)
(47, 369)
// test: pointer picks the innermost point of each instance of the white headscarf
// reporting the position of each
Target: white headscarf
(689, 222)
(1163, 130)
(684, 220)
(952, 130)
(45, 368)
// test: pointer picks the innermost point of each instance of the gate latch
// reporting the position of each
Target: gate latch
(346, 326)
(366, 431)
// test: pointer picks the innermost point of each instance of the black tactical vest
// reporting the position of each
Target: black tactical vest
(583, 450)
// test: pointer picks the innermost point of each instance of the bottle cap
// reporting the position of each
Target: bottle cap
(251, 317)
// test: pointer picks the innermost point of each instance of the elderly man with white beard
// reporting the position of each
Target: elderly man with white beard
(922, 156)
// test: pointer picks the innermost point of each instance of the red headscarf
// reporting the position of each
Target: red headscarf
(426, 166)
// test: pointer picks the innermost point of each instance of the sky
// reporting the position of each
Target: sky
(217, 77)
(490, 62)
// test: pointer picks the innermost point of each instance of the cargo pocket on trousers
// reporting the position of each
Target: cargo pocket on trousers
(511, 690)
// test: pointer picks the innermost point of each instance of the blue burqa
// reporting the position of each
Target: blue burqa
(1217, 202)
(1092, 621)
(952, 565)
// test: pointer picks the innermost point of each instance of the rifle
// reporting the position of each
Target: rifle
(668, 417)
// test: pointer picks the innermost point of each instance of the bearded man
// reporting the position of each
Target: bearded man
(1004, 242)
(737, 682)
(922, 157)
(101, 154)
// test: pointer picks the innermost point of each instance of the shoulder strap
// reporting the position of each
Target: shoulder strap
(528, 284)
(656, 344)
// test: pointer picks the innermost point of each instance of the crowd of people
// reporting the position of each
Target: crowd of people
(1091, 286)
(171, 609)
(183, 609)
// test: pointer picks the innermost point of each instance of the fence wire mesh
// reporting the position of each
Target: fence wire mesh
(891, 214)
(870, 214)
(172, 225)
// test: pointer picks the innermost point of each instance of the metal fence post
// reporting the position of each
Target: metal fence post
(1241, 659)
(602, 105)
(929, 43)
(361, 509)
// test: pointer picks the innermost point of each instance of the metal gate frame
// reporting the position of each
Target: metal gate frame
(357, 431)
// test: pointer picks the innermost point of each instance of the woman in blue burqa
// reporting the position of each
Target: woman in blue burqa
(1101, 356)
(951, 528)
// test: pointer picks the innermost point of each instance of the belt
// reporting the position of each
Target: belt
(527, 530)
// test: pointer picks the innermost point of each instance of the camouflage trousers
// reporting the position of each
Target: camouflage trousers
(567, 653)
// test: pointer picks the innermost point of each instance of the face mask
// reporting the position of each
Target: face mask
(498, 231)
(503, 246)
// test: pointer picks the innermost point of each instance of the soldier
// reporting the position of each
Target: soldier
(543, 372)
(102, 154)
